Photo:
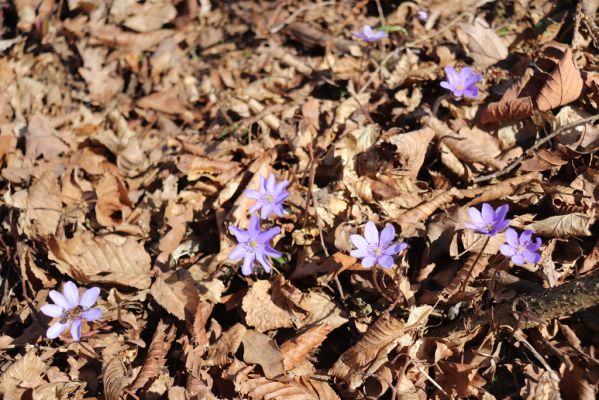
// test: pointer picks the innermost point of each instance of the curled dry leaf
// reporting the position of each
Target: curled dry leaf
(300, 388)
(486, 47)
(40, 139)
(412, 219)
(296, 350)
(411, 148)
(44, 207)
(90, 258)
(366, 356)
(563, 226)
(195, 167)
(59, 391)
(227, 344)
(563, 85)
(113, 205)
(475, 264)
(262, 350)
(25, 373)
(114, 378)
(156, 357)
(144, 17)
(261, 312)
(177, 293)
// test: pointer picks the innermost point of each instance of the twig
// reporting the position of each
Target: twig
(538, 144)
(465, 282)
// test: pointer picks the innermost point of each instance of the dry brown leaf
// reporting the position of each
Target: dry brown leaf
(228, 343)
(544, 160)
(411, 148)
(177, 216)
(562, 226)
(177, 293)
(114, 378)
(59, 391)
(95, 259)
(262, 350)
(166, 102)
(563, 85)
(41, 139)
(195, 167)
(300, 388)
(113, 205)
(460, 379)
(156, 357)
(103, 82)
(369, 353)
(143, 17)
(25, 373)
(296, 350)
(412, 219)
(261, 312)
(44, 207)
(486, 47)
(511, 107)
(474, 265)
(539, 385)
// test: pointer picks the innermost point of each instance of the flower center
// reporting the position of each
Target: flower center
(253, 243)
(268, 198)
(375, 250)
(71, 315)
(490, 227)
(460, 86)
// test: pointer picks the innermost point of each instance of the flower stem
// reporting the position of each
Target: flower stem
(482, 250)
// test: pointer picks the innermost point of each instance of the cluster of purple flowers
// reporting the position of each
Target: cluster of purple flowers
(254, 243)
(520, 248)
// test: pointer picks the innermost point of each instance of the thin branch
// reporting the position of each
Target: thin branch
(538, 144)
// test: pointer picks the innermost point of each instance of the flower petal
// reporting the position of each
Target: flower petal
(368, 262)
(76, 330)
(518, 259)
(253, 194)
(387, 235)
(71, 293)
(237, 253)
(281, 187)
(52, 310)
(265, 211)
(270, 183)
(254, 227)
(263, 261)
(446, 85)
(359, 241)
(507, 250)
(501, 211)
(266, 236)
(248, 264)
(359, 253)
(488, 214)
(92, 314)
(59, 299)
(371, 233)
(56, 330)
(476, 217)
(452, 76)
(269, 251)
(89, 298)
(526, 237)
(470, 91)
(385, 261)
(511, 237)
(395, 249)
(531, 256)
(241, 235)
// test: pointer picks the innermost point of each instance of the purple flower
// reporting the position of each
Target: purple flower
(368, 35)
(71, 310)
(522, 249)
(422, 15)
(488, 221)
(269, 197)
(253, 244)
(461, 83)
(374, 250)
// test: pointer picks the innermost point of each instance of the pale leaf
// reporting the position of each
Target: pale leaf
(25, 373)
(261, 312)
(177, 293)
(563, 86)
(486, 47)
(113, 205)
(41, 140)
(562, 226)
(261, 349)
(300, 388)
(228, 343)
(44, 207)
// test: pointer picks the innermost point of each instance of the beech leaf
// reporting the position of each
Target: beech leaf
(563, 85)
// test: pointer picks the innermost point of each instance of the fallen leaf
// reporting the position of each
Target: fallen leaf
(296, 350)
(486, 47)
(41, 139)
(177, 293)
(44, 207)
(298, 388)
(563, 85)
(94, 259)
(262, 350)
(563, 226)
(261, 312)
(25, 373)
(113, 205)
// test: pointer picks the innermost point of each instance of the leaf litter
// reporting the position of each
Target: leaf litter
(148, 147)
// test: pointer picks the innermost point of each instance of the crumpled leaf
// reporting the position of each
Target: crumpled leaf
(59, 391)
(143, 17)
(261, 349)
(113, 205)
(156, 357)
(510, 107)
(562, 226)
(300, 388)
(228, 343)
(114, 378)
(177, 293)
(261, 312)
(25, 373)
(295, 350)
(486, 47)
(44, 207)
(41, 139)
(411, 148)
(90, 258)
(563, 85)
(102, 80)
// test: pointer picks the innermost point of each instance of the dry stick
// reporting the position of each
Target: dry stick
(532, 310)
(538, 144)
(465, 282)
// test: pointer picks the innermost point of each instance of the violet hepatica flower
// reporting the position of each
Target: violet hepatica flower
(373, 249)
(253, 245)
(71, 310)
(422, 15)
(488, 221)
(367, 34)
(521, 249)
(462, 83)
(269, 197)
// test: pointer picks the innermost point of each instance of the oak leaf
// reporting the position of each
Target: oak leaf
(40, 139)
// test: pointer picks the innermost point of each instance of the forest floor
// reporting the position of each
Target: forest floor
(133, 135)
